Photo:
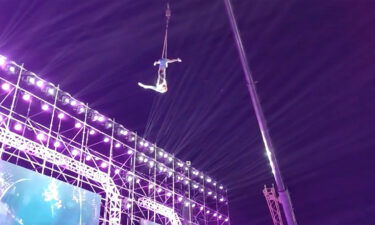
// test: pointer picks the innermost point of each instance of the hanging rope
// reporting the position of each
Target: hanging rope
(165, 45)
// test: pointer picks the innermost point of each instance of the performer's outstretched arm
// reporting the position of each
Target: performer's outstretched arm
(174, 60)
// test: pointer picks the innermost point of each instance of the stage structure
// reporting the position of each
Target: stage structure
(45, 129)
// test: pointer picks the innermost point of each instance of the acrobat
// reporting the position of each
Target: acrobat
(161, 83)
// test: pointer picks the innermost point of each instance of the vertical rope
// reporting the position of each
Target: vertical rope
(165, 45)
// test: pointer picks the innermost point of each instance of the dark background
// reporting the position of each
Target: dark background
(313, 62)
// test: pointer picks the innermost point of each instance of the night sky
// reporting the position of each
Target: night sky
(313, 63)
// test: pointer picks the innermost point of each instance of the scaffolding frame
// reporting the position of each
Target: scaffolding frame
(61, 137)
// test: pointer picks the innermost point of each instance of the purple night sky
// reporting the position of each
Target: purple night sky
(313, 63)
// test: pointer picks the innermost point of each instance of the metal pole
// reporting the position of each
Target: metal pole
(283, 193)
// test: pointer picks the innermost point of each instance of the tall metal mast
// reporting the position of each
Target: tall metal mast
(283, 193)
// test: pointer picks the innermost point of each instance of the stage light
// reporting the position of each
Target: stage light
(170, 159)
(65, 98)
(195, 186)
(117, 171)
(208, 180)
(226, 219)
(201, 190)
(128, 205)
(78, 125)
(146, 144)
(40, 83)
(161, 154)
(75, 152)
(26, 97)
(159, 190)
(145, 160)
(5, 87)
(169, 194)
(92, 132)
(101, 118)
(141, 143)
(80, 109)
(108, 124)
(73, 102)
(129, 178)
(12, 69)
(208, 211)
(30, 79)
(103, 165)
(50, 91)
(3, 61)
(45, 107)
(179, 199)
(201, 176)
(88, 158)
(130, 151)
(209, 193)
(106, 139)
(41, 137)
(117, 145)
(221, 199)
(61, 116)
(1, 118)
(193, 205)
(201, 208)
(215, 214)
(170, 173)
(187, 204)
(221, 187)
(214, 183)
(18, 127)
(215, 196)
(161, 168)
(137, 181)
(57, 144)
(150, 186)
(152, 148)
(220, 216)
(186, 182)
(186, 168)
(140, 158)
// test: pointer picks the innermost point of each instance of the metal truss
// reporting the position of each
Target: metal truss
(45, 129)
(273, 205)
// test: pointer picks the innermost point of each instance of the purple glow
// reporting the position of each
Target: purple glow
(161, 154)
(103, 165)
(88, 158)
(215, 214)
(18, 127)
(129, 178)
(152, 148)
(130, 151)
(169, 194)
(208, 211)
(208, 180)
(146, 144)
(124, 132)
(221, 199)
(221, 187)
(61, 116)
(106, 139)
(57, 144)
(117, 171)
(220, 216)
(150, 186)
(117, 145)
(26, 97)
(209, 193)
(78, 125)
(193, 205)
(159, 190)
(92, 132)
(5, 86)
(41, 137)
(45, 107)
(1, 118)
(187, 204)
(32, 80)
(179, 199)
(226, 219)
(201, 208)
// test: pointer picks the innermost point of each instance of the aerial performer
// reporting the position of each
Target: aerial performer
(161, 82)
